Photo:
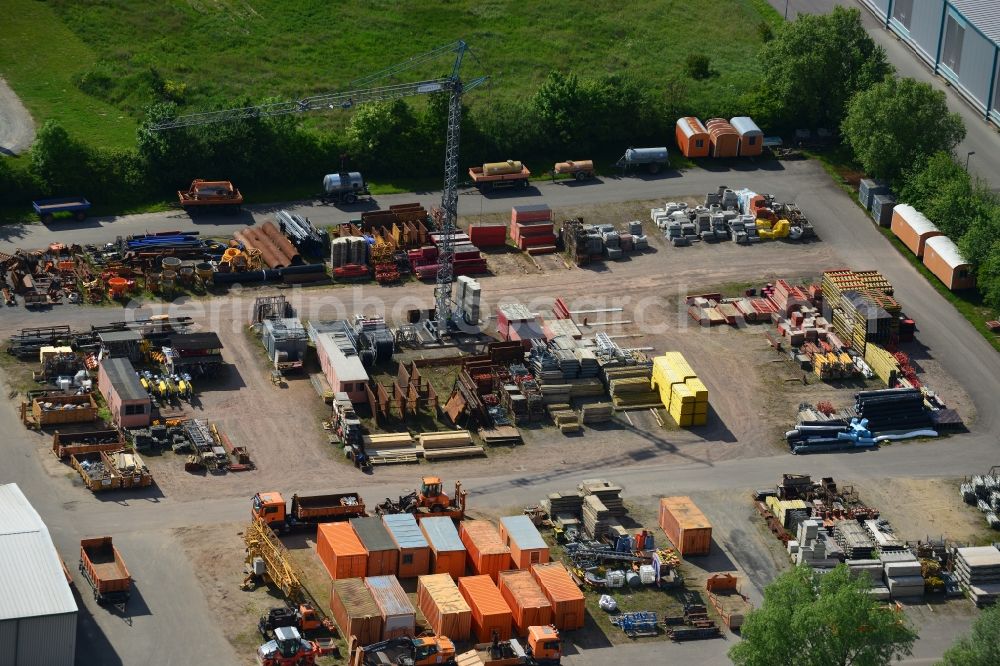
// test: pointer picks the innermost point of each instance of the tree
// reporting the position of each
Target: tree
(58, 161)
(561, 103)
(815, 64)
(385, 137)
(897, 123)
(810, 619)
(982, 646)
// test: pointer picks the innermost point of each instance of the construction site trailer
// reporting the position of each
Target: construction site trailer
(685, 525)
(446, 610)
(568, 602)
(447, 550)
(526, 545)
(380, 549)
(487, 553)
(355, 611)
(528, 604)
(340, 551)
(414, 551)
(398, 614)
(490, 613)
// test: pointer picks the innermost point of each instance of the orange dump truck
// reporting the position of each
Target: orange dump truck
(497, 175)
(211, 195)
(103, 567)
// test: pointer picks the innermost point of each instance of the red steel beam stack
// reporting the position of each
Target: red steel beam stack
(532, 230)
(488, 235)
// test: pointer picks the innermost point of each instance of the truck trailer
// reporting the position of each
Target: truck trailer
(498, 175)
(653, 159)
(103, 567)
(305, 510)
(344, 188)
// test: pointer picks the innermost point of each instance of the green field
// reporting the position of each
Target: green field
(95, 65)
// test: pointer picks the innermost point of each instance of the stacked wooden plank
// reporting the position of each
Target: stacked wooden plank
(563, 504)
(609, 493)
(598, 412)
(393, 447)
(629, 388)
(883, 364)
(860, 306)
(448, 444)
(854, 539)
(596, 516)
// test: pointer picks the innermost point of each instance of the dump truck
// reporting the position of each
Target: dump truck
(303, 617)
(430, 500)
(497, 175)
(653, 159)
(542, 648)
(343, 188)
(305, 510)
(47, 209)
(103, 567)
(219, 196)
(578, 169)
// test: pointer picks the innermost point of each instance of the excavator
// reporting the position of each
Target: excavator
(430, 500)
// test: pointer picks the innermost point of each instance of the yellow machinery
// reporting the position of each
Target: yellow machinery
(264, 546)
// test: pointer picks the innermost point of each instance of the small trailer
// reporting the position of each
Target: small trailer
(211, 195)
(497, 175)
(578, 169)
(653, 159)
(47, 209)
(103, 567)
(728, 601)
(344, 188)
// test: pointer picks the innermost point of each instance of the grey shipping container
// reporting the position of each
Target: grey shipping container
(867, 190)
(882, 205)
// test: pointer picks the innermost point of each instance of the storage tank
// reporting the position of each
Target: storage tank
(487, 553)
(381, 551)
(489, 610)
(447, 550)
(692, 137)
(340, 182)
(646, 155)
(502, 168)
(340, 551)
(685, 525)
(355, 611)
(414, 551)
(751, 138)
(526, 545)
(568, 603)
(446, 610)
(398, 614)
(526, 600)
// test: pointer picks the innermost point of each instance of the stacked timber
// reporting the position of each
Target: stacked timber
(609, 493)
(854, 539)
(885, 541)
(598, 412)
(392, 447)
(448, 444)
(684, 396)
(632, 392)
(596, 517)
(978, 572)
(563, 504)
(883, 364)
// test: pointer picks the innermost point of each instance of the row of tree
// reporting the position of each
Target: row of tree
(831, 619)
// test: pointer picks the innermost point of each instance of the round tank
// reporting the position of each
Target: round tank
(338, 182)
(170, 263)
(502, 168)
(572, 166)
(646, 155)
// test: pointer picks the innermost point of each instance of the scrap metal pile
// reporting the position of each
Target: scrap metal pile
(983, 492)
(43, 277)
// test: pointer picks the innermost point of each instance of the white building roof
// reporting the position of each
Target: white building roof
(745, 125)
(691, 126)
(348, 368)
(32, 581)
(917, 220)
(947, 250)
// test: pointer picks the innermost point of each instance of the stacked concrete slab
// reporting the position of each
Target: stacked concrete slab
(903, 579)
(978, 572)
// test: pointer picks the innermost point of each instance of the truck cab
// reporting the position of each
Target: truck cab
(543, 645)
(428, 650)
(270, 507)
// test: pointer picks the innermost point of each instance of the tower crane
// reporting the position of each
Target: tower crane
(364, 90)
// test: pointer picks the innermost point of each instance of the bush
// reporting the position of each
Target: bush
(765, 32)
(698, 66)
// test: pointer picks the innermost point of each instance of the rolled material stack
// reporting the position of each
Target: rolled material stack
(893, 409)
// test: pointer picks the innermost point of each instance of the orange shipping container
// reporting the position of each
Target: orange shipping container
(414, 551)
(489, 610)
(724, 137)
(447, 549)
(380, 549)
(685, 525)
(487, 553)
(447, 612)
(526, 545)
(692, 137)
(340, 551)
(568, 603)
(355, 611)
(527, 602)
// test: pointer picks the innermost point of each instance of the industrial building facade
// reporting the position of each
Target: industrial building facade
(958, 39)
(37, 609)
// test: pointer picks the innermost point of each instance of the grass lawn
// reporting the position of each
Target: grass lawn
(214, 53)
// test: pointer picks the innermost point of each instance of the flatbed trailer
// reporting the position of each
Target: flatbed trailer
(47, 209)
(211, 195)
(103, 567)
(498, 181)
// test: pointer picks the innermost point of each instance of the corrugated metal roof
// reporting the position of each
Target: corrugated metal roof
(441, 534)
(404, 529)
(984, 14)
(947, 250)
(917, 220)
(31, 573)
(123, 379)
(745, 125)
(389, 595)
(348, 368)
(523, 532)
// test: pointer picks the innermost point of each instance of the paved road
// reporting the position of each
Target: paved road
(17, 129)
(177, 622)
(981, 137)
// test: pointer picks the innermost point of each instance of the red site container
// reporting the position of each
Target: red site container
(528, 604)
(489, 610)
(487, 553)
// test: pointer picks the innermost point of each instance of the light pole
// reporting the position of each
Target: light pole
(967, 156)
(786, 10)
